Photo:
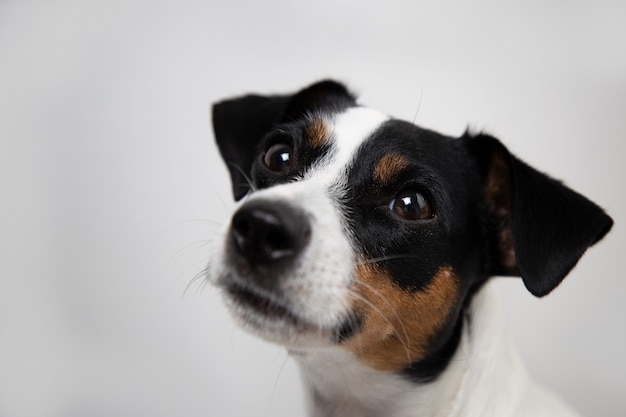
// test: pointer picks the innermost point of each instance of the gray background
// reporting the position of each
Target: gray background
(111, 186)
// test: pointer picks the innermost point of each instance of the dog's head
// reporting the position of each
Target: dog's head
(370, 234)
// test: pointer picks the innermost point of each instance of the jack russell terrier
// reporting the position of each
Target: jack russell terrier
(365, 246)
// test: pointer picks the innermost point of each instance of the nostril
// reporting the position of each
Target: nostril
(242, 227)
(279, 242)
(240, 231)
(275, 239)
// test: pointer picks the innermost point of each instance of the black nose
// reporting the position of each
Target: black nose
(266, 233)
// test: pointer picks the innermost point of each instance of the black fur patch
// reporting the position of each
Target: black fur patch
(441, 168)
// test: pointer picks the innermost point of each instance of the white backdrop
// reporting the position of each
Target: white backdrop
(110, 183)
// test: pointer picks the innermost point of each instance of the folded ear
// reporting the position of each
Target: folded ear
(239, 123)
(538, 227)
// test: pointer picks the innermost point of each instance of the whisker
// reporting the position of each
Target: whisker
(199, 220)
(395, 312)
(418, 105)
(280, 372)
(199, 244)
(201, 274)
(387, 258)
(354, 320)
(386, 319)
(309, 385)
(244, 175)
(224, 205)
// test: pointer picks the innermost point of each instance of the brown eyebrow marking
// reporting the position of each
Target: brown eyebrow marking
(388, 167)
(317, 133)
(398, 323)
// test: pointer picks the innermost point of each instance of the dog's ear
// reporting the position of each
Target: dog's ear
(538, 228)
(240, 123)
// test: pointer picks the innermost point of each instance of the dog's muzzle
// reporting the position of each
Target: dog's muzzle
(285, 269)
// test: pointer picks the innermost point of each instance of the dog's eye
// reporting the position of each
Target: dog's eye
(411, 204)
(278, 157)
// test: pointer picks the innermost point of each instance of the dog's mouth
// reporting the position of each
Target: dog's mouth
(264, 305)
(273, 319)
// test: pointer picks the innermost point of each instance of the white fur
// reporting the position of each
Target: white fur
(349, 130)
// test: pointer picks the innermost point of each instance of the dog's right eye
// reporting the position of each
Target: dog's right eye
(278, 157)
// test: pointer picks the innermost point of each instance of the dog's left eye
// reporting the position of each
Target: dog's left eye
(279, 157)
(410, 204)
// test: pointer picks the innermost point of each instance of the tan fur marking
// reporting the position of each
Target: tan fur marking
(498, 199)
(389, 167)
(398, 323)
(317, 133)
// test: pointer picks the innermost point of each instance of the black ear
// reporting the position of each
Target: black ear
(240, 123)
(538, 227)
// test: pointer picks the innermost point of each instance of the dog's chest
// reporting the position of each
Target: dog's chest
(485, 378)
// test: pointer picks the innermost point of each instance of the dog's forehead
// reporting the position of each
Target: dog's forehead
(366, 145)
(369, 139)
(351, 129)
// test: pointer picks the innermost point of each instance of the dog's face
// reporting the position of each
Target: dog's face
(369, 234)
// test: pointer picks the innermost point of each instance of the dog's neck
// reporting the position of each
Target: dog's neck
(485, 376)
(340, 386)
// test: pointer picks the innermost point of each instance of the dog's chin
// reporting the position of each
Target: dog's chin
(275, 320)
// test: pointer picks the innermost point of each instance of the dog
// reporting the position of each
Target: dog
(365, 245)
